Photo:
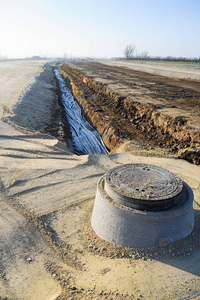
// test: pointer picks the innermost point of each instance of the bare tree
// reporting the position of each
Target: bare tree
(129, 50)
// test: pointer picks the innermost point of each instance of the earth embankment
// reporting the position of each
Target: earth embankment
(48, 249)
(129, 107)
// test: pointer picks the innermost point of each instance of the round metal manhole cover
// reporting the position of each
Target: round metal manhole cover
(144, 187)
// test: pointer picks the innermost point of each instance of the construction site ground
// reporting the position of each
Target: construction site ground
(48, 249)
(134, 109)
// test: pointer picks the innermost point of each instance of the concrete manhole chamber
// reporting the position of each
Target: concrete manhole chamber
(140, 205)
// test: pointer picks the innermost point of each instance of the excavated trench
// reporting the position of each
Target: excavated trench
(118, 118)
(84, 138)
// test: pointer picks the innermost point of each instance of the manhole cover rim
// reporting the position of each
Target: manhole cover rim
(140, 198)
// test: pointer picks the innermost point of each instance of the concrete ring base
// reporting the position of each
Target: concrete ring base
(133, 228)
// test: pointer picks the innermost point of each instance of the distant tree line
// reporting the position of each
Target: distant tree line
(166, 58)
(129, 55)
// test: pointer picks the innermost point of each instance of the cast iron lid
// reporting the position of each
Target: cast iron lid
(144, 187)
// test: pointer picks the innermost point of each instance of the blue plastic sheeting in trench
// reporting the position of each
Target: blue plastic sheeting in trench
(85, 139)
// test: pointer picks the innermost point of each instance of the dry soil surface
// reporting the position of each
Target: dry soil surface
(48, 249)
(134, 109)
(159, 69)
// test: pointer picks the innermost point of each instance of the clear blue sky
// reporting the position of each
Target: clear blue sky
(99, 28)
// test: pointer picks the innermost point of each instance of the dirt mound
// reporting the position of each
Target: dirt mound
(119, 118)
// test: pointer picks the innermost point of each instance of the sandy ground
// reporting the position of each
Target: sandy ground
(156, 69)
(48, 249)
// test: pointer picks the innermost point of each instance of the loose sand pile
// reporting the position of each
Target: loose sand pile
(48, 248)
(33, 108)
